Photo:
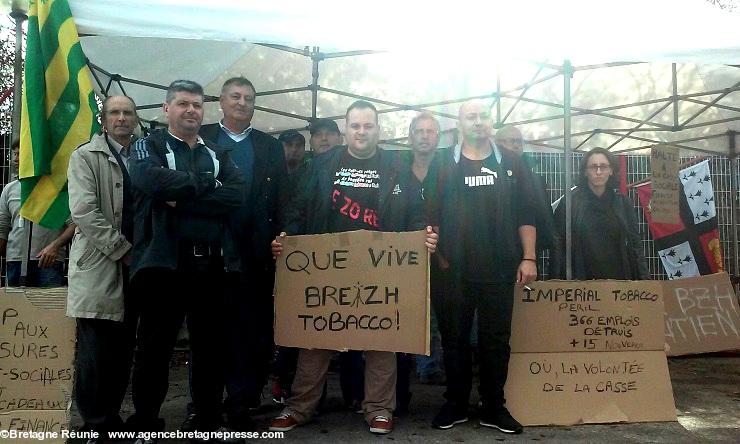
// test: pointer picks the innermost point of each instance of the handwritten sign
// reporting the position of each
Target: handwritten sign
(603, 387)
(664, 165)
(588, 316)
(359, 290)
(701, 315)
(36, 360)
(589, 352)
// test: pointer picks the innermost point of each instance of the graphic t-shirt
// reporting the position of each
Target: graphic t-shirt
(479, 209)
(355, 195)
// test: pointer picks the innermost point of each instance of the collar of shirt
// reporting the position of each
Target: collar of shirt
(457, 152)
(236, 137)
(199, 141)
(118, 147)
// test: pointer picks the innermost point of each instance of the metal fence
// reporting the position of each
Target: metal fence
(551, 167)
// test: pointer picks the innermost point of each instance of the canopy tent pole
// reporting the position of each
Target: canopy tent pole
(732, 148)
(567, 74)
(316, 57)
(19, 16)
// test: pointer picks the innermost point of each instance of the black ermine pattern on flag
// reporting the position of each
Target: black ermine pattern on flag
(691, 247)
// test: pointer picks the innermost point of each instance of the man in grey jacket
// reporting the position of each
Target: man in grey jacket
(102, 207)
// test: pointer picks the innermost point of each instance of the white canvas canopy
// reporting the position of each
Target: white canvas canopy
(643, 72)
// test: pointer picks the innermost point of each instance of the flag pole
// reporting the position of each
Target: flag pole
(19, 15)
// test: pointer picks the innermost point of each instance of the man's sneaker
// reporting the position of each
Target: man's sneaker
(381, 425)
(356, 406)
(282, 423)
(190, 423)
(228, 435)
(200, 423)
(450, 415)
(501, 419)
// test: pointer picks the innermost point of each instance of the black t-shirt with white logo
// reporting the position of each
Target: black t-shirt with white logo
(355, 195)
(478, 204)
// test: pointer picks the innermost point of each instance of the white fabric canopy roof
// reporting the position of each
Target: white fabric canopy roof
(443, 55)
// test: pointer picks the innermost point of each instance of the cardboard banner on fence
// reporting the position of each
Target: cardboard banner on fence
(37, 348)
(589, 352)
(665, 162)
(701, 315)
(358, 290)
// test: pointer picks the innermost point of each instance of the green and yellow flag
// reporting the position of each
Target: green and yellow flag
(59, 111)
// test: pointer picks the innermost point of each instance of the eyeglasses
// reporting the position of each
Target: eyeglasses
(596, 168)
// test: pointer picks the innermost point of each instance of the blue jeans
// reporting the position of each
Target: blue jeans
(35, 277)
(430, 366)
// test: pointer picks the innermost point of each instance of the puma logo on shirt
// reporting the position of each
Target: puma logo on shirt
(483, 180)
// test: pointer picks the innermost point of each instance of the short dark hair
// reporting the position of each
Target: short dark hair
(327, 124)
(238, 81)
(16, 143)
(362, 104)
(183, 86)
(104, 108)
(612, 182)
(291, 134)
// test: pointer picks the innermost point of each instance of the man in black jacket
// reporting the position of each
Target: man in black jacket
(352, 187)
(487, 233)
(184, 188)
(510, 138)
(261, 160)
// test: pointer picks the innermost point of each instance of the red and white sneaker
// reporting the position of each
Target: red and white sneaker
(381, 425)
(283, 423)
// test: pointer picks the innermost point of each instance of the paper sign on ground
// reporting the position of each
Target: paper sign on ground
(701, 315)
(588, 352)
(566, 316)
(37, 344)
(358, 290)
(664, 165)
(575, 388)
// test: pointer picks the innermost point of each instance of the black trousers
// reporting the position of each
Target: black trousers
(194, 291)
(103, 360)
(455, 311)
(249, 320)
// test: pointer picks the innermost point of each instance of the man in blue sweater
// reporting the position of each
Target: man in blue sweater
(261, 160)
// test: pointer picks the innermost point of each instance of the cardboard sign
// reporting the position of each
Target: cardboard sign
(589, 388)
(588, 352)
(664, 165)
(572, 316)
(358, 290)
(701, 315)
(37, 346)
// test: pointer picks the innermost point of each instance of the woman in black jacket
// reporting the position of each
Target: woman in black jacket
(606, 242)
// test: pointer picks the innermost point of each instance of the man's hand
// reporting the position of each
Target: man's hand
(527, 272)
(431, 240)
(277, 246)
(127, 258)
(48, 255)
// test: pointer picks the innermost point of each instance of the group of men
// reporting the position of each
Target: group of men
(186, 224)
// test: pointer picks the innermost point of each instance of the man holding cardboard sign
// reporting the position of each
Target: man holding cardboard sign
(352, 187)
